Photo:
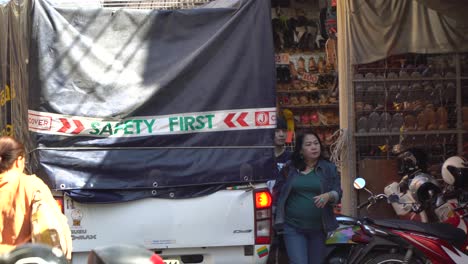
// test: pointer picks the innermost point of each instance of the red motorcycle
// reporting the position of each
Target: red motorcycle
(404, 241)
(430, 201)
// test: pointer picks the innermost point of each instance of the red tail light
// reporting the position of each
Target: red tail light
(262, 199)
(59, 201)
(263, 216)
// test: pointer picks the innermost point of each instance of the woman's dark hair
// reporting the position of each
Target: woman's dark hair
(10, 150)
(296, 157)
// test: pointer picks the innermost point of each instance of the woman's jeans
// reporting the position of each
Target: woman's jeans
(304, 246)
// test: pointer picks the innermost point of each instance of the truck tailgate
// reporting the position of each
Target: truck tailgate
(224, 218)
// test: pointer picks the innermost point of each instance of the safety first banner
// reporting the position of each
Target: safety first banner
(118, 100)
(239, 119)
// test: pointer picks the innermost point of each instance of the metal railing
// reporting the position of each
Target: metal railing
(154, 4)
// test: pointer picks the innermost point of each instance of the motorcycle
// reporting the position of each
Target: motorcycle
(423, 196)
(401, 241)
(44, 254)
(34, 253)
(340, 242)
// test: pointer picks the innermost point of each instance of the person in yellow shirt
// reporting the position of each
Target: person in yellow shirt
(28, 211)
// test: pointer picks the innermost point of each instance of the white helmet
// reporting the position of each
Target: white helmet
(457, 162)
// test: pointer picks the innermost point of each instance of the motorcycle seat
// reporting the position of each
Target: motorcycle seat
(445, 231)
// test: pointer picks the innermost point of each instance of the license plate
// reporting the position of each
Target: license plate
(171, 261)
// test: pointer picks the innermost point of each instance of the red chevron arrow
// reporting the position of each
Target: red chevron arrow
(228, 120)
(240, 120)
(79, 127)
(65, 126)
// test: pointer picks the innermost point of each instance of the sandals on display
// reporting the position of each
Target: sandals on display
(431, 117)
(312, 65)
(305, 118)
(465, 117)
(422, 121)
(409, 123)
(314, 118)
(301, 66)
(442, 117)
(304, 100)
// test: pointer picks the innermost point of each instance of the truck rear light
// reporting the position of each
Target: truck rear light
(262, 199)
(263, 227)
(264, 213)
(262, 202)
(262, 240)
(59, 201)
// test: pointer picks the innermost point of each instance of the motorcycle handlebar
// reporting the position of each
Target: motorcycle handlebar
(363, 204)
(372, 200)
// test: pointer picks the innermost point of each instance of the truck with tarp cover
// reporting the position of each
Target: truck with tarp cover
(155, 126)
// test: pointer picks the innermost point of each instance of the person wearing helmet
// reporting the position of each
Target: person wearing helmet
(28, 211)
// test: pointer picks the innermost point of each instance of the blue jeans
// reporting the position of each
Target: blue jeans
(304, 246)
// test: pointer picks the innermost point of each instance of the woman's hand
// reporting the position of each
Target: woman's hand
(321, 200)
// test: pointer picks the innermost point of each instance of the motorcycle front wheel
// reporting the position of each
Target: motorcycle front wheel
(389, 258)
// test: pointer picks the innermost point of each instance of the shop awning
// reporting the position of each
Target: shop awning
(380, 28)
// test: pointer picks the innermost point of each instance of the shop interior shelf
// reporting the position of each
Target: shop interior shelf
(312, 126)
(304, 91)
(310, 105)
(405, 79)
(426, 132)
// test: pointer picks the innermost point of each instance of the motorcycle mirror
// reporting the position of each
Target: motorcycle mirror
(359, 183)
(393, 198)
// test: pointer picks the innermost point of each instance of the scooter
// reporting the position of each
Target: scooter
(423, 196)
(34, 253)
(43, 254)
(404, 241)
(340, 244)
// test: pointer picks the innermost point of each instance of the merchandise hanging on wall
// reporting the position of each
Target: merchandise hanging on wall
(306, 59)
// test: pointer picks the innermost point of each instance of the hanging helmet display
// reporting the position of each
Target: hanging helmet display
(424, 188)
(454, 170)
(35, 253)
(411, 161)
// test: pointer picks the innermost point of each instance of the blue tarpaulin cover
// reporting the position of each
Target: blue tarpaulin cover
(122, 104)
